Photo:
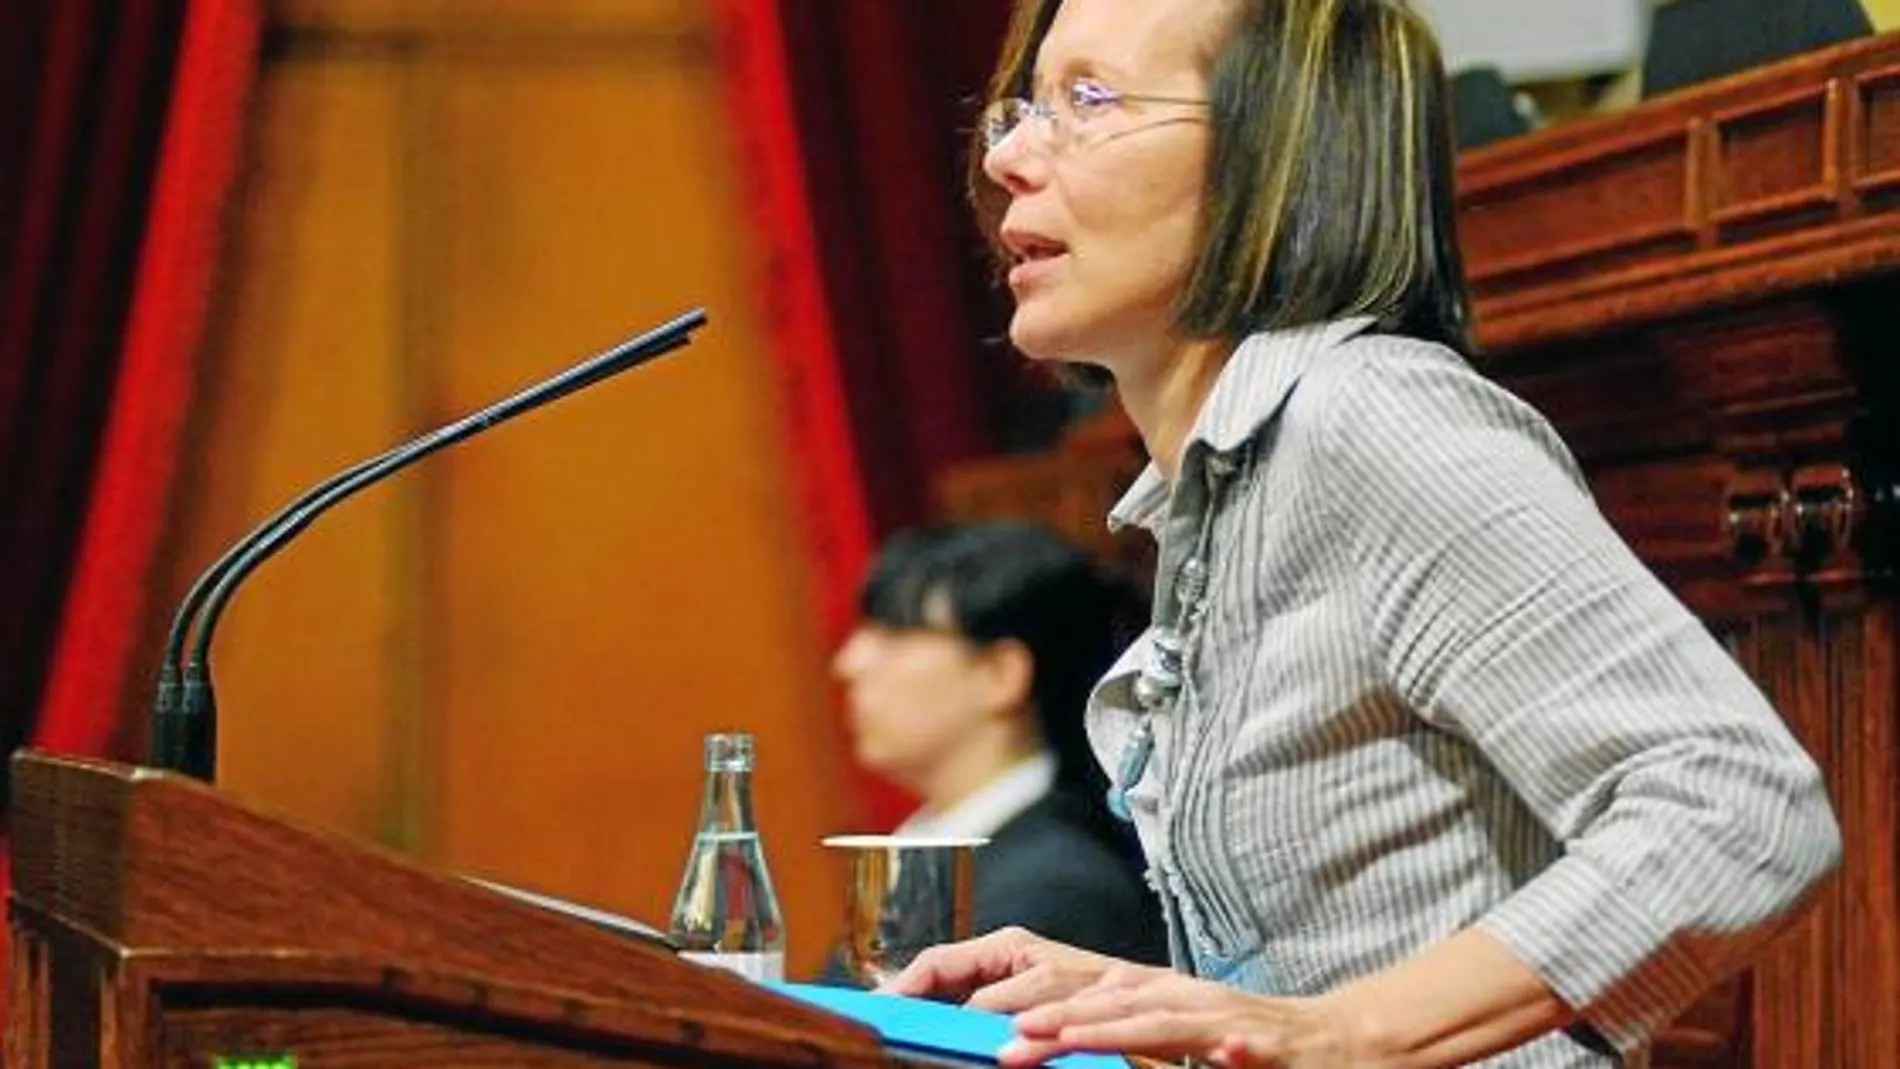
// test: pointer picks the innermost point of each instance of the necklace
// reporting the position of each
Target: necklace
(1159, 684)
(1155, 689)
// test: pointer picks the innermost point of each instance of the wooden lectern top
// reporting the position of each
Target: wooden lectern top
(158, 921)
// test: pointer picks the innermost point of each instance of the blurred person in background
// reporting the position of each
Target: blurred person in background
(965, 683)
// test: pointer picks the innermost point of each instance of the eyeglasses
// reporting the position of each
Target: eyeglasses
(1060, 121)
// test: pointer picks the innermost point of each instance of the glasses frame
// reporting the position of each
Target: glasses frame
(1086, 98)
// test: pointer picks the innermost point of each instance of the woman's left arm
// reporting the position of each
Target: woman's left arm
(1505, 609)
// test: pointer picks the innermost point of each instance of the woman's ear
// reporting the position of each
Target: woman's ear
(1010, 674)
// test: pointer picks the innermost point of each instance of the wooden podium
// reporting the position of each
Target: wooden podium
(157, 921)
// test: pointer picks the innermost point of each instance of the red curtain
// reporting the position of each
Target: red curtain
(869, 111)
(81, 91)
(851, 116)
(120, 122)
(798, 318)
(106, 602)
(885, 97)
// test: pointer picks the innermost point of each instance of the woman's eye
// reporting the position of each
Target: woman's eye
(1088, 98)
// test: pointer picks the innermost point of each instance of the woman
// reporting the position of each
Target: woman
(1427, 767)
(965, 683)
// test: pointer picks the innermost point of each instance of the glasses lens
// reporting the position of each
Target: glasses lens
(1000, 120)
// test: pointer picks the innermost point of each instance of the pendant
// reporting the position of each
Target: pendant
(1134, 765)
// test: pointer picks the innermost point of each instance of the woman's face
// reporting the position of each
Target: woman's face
(914, 696)
(1105, 217)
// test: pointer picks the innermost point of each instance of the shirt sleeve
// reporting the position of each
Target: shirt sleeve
(1504, 608)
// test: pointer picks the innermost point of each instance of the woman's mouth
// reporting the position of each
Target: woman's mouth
(1036, 259)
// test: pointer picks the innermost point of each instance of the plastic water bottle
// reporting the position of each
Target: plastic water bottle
(726, 913)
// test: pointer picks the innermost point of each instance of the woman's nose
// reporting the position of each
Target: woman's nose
(1013, 164)
(849, 661)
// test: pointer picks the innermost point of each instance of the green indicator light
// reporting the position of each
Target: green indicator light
(254, 1061)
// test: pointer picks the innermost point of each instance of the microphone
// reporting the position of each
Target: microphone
(184, 710)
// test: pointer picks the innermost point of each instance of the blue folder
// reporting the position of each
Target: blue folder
(936, 1029)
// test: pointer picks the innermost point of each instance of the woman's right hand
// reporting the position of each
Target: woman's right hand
(1009, 970)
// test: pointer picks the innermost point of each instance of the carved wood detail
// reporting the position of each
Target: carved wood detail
(1765, 183)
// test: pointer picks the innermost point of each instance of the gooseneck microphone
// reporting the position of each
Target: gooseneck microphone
(184, 711)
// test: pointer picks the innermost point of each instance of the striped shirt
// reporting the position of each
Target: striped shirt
(1429, 687)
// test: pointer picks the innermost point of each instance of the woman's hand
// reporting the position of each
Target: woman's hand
(1161, 1014)
(1009, 970)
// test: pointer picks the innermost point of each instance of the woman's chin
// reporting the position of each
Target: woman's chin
(1038, 339)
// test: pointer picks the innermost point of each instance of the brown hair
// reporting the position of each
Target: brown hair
(1330, 184)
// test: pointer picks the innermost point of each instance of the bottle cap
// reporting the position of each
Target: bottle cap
(729, 751)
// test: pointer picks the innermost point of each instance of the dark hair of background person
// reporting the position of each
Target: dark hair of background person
(1002, 580)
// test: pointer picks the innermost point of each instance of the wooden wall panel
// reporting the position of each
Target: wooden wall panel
(303, 377)
(1815, 994)
(1867, 792)
(654, 590)
(504, 661)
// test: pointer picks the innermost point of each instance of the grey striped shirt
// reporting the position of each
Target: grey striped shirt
(1430, 687)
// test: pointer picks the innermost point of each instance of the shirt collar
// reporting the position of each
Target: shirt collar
(1253, 384)
(984, 812)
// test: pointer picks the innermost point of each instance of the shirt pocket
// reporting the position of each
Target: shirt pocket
(1221, 913)
(1236, 871)
(1263, 866)
(1275, 887)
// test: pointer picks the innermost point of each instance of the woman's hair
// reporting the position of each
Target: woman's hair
(995, 581)
(1330, 184)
